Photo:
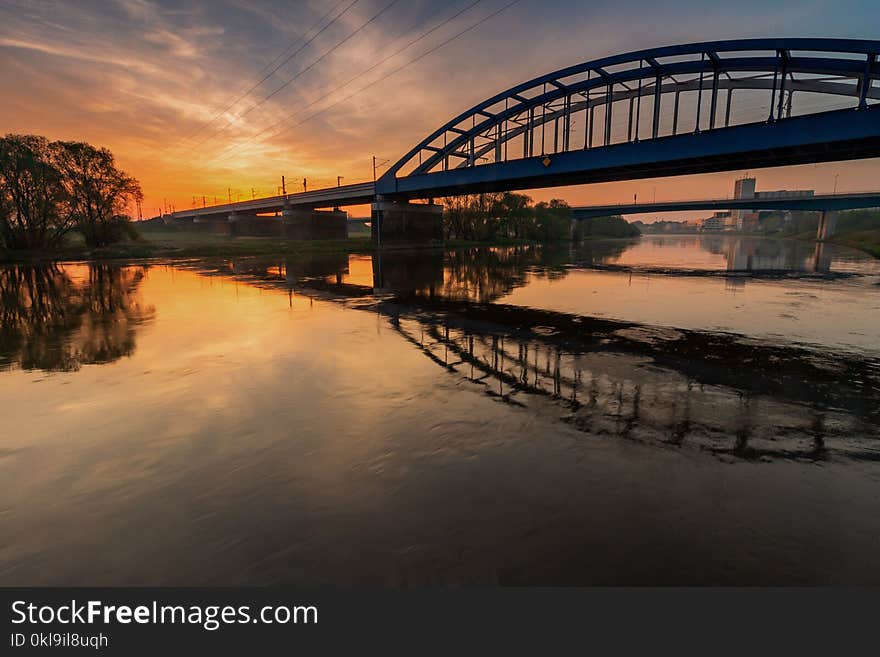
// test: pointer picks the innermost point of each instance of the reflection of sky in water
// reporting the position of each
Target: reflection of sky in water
(721, 252)
(835, 314)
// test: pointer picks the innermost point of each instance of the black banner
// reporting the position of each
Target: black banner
(539, 621)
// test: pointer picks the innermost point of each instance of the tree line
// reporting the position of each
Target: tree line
(481, 217)
(50, 188)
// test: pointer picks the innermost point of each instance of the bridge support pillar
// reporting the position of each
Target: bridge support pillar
(400, 222)
(233, 220)
(218, 224)
(307, 224)
(827, 225)
(241, 224)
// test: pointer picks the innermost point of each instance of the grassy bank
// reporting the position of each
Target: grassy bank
(178, 244)
(864, 240)
(867, 241)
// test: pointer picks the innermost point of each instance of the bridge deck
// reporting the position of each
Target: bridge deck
(816, 202)
(356, 194)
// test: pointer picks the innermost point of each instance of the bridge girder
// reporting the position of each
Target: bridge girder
(826, 137)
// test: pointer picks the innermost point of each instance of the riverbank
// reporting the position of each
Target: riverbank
(173, 244)
(176, 244)
(867, 241)
(863, 240)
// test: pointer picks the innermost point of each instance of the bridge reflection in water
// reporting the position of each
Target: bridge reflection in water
(722, 393)
(629, 395)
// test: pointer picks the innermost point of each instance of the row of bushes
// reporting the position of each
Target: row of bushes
(49, 188)
(610, 226)
(807, 222)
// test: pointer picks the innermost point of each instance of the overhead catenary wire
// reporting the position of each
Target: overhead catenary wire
(312, 65)
(360, 74)
(253, 87)
(394, 71)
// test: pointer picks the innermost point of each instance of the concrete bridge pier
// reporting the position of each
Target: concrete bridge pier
(234, 219)
(308, 224)
(401, 222)
(827, 225)
(253, 225)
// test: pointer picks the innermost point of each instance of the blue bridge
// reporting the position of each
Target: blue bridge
(675, 110)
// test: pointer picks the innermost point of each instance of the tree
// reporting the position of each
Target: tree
(514, 213)
(552, 220)
(471, 216)
(32, 210)
(488, 215)
(98, 193)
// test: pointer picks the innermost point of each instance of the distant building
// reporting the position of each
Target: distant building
(662, 226)
(718, 221)
(744, 188)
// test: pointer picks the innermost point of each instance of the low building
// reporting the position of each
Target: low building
(717, 222)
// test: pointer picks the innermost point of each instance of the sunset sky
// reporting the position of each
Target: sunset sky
(157, 81)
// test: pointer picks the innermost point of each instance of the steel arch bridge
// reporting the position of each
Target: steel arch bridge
(674, 110)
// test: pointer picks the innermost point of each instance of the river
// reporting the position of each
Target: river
(668, 410)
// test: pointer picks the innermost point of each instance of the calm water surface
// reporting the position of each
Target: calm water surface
(678, 410)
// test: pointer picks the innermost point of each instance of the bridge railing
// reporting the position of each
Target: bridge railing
(654, 93)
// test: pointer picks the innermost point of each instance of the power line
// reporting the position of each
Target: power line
(284, 52)
(373, 67)
(317, 61)
(314, 63)
(390, 73)
(400, 68)
(270, 73)
(283, 63)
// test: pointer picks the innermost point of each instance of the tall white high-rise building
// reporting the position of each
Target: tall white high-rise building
(744, 188)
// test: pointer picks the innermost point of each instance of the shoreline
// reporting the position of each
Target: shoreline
(192, 245)
(866, 241)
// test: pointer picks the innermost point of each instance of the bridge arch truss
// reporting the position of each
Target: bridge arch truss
(646, 95)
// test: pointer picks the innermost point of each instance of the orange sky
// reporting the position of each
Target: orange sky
(145, 79)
